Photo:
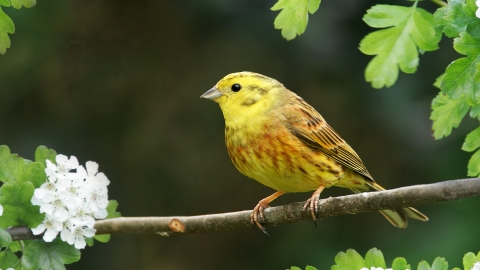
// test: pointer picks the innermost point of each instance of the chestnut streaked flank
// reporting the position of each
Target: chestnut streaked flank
(278, 139)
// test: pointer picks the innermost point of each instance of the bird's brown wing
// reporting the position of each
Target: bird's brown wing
(310, 127)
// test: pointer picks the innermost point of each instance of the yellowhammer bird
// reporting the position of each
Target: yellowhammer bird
(278, 139)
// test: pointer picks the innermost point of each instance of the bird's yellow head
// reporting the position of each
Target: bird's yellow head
(243, 95)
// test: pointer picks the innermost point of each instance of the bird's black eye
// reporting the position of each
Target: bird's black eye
(236, 87)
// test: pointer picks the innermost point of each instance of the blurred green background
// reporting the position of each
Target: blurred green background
(118, 82)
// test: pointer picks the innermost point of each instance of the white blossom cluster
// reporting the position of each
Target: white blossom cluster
(71, 198)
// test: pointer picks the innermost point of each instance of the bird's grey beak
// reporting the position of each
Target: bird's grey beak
(212, 94)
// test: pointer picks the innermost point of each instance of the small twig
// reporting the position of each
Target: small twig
(291, 213)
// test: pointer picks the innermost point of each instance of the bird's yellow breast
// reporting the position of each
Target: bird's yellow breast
(266, 151)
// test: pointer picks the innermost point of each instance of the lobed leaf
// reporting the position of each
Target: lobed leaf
(461, 76)
(396, 47)
(440, 264)
(454, 17)
(42, 153)
(349, 260)
(474, 165)
(400, 264)
(6, 27)
(112, 209)
(293, 17)
(5, 238)
(8, 259)
(26, 3)
(374, 258)
(447, 114)
(472, 141)
(18, 210)
(470, 259)
(39, 254)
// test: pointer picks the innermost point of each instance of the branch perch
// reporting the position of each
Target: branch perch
(289, 213)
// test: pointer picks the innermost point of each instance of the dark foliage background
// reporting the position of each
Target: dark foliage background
(118, 82)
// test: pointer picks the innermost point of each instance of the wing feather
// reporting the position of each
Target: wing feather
(310, 127)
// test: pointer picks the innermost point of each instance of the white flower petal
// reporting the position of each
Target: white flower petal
(61, 215)
(103, 180)
(72, 163)
(101, 213)
(40, 229)
(92, 168)
(89, 232)
(61, 159)
(81, 172)
(50, 235)
(80, 243)
(47, 208)
(65, 235)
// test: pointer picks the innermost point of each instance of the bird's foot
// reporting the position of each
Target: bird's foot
(312, 204)
(258, 216)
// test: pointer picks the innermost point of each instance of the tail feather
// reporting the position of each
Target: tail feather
(397, 217)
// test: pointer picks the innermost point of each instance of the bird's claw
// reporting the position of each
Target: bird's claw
(312, 204)
(258, 217)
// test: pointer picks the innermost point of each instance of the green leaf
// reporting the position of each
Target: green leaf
(446, 114)
(400, 264)
(6, 27)
(53, 255)
(374, 258)
(26, 3)
(35, 173)
(18, 210)
(310, 268)
(89, 241)
(396, 47)
(350, 260)
(295, 268)
(461, 76)
(475, 112)
(470, 259)
(474, 164)
(455, 18)
(15, 246)
(5, 3)
(293, 18)
(11, 165)
(5, 238)
(103, 238)
(112, 209)
(472, 141)
(423, 265)
(438, 81)
(43, 153)
(440, 264)
(473, 28)
(8, 259)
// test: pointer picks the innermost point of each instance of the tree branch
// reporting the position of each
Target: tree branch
(289, 213)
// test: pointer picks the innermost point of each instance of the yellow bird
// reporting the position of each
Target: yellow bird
(278, 139)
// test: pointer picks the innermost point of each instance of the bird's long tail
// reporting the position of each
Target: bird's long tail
(398, 217)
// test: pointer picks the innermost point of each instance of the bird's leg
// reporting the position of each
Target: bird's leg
(257, 214)
(313, 202)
